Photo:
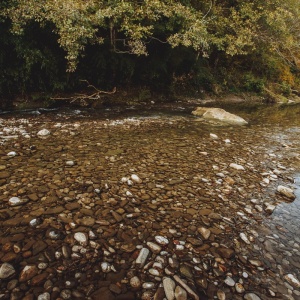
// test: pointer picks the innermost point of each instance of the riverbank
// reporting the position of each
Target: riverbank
(110, 207)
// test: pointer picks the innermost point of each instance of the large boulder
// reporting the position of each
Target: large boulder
(218, 114)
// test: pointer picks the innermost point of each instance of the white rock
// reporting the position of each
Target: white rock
(236, 166)
(219, 114)
(154, 272)
(161, 240)
(251, 296)
(244, 238)
(44, 296)
(229, 281)
(81, 238)
(70, 163)
(12, 154)
(6, 270)
(270, 208)
(227, 141)
(154, 247)
(43, 132)
(213, 136)
(169, 287)
(143, 255)
(105, 267)
(291, 279)
(135, 282)
(136, 178)
(204, 232)
(285, 191)
(15, 201)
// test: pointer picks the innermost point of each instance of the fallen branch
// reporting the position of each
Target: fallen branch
(82, 98)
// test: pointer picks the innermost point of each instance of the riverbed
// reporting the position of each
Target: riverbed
(128, 203)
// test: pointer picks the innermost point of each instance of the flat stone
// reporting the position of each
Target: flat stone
(251, 296)
(4, 175)
(6, 270)
(286, 191)
(28, 272)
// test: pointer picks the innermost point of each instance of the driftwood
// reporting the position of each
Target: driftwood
(83, 98)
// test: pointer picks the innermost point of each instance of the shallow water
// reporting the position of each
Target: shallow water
(187, 184)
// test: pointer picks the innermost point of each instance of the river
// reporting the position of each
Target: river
(136, 203)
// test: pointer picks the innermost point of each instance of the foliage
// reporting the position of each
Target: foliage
(204, 41)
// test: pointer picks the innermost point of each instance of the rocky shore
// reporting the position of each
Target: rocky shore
(147, 208)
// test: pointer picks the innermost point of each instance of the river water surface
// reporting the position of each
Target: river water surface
(146, 204)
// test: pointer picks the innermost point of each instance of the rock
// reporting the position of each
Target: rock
(143, 255)
(28, 272)
(239, 288)
(154, 247)
(136, 178)
(221, 295)
(204, 232)
(225, 252)
(169, 288)
(44, 296)
(229, 281)
(16, 201)
(81, 238)
(12, 154)
(180, 293)
(287, 192)
(6, 270)
(161, 240)
(213, 136)
(192, 294)
(70, 163)
(135, 282)
(251, 296)
(4, 175)
(43, 132)
(219, 114)
(270, 208)
(292, 280)
(236, 166)
(244, 238)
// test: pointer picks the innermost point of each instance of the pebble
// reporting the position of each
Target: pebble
(12, 153)
(143, 255)
(236, 166)
(6, 270)
(161, 240)
(43, 132)
(251, 296)
(205, 233)
(135, 282)
(291, 279)
(244, 238)
(169, 288)
(286, 191)
(81, 238)
(180, 293)
(229, 281)
(44, 296)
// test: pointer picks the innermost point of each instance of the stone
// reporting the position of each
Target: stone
(43, 132)
(169, 288)
(161, 240)
(44, 296)
(251, 296)
(15, 201)
(286, 191)
(28, 272)
(191, 293)
(204, 232)
(135, 282)
(6, 270)
(81, 238)
(292, 280)
(229, 281)
(219, 114)
(180, 293)
(142, 257)
(226, 252)
(236, 167)
(154, 247)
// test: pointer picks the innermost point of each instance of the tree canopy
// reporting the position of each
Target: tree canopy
(210, 28)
